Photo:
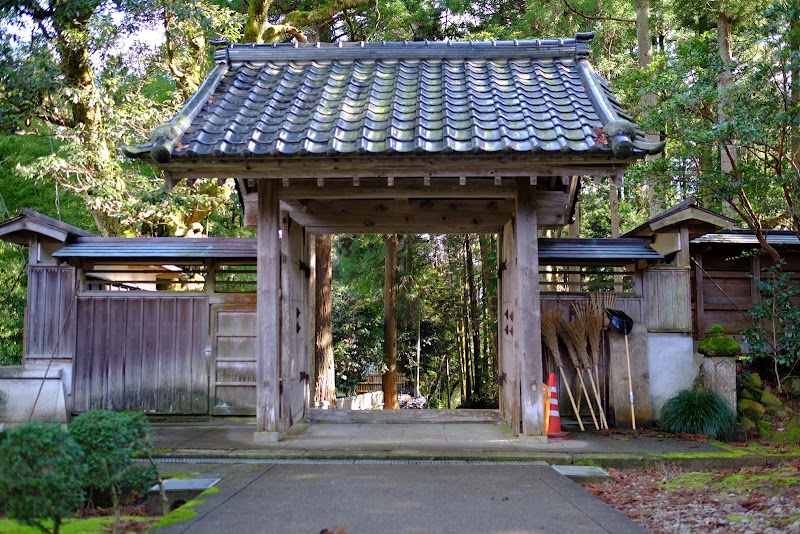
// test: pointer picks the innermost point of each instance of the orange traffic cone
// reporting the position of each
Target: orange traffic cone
(553, 422)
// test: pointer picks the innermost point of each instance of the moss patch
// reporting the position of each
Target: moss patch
(185, 512)
(689, 481)
(791, 433)
(180, 476)
(92, 525)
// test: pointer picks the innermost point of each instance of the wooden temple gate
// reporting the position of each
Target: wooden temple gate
(398, 138)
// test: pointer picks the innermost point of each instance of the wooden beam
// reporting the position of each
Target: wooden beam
(421, 216)
(508, 166)
(268, 313)
(528, 338)
(416, 216)
(397, 188)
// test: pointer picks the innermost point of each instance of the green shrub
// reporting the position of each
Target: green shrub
(41, 475)
(698, 411)
(775, 336)
(111, 442)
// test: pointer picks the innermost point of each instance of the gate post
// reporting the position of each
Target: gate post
(268, 318)
(528, 342)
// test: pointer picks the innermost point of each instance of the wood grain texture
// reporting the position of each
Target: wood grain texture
(268, 310)
(527, 323)
(668, 305)
(142, 353)
(51, 314)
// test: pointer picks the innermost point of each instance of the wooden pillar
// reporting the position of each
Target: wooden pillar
(528, 342)
(508, 364)
(268, 313)
(699, 298)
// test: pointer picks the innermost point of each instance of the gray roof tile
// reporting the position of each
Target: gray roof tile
(526, 96)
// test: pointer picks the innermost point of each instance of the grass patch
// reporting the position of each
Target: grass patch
(92, 525)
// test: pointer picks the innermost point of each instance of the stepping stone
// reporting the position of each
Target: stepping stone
(583, 474)
(179, 491)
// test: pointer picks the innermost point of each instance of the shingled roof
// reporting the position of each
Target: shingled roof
(347, 99)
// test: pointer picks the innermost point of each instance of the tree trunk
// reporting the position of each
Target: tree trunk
(613, 203)
(644, 42)
(465, 336)
(794, 101)
(389, 381)
(727, 147)
(473, 320)
(325, 386)
(487, 243)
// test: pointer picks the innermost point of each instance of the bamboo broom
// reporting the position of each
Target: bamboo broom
(576, 330)
(550, 325)
(563, 329)
(594, 331)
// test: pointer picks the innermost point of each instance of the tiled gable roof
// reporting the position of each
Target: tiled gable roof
(400, 98)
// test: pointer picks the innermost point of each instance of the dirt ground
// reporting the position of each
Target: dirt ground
(758, 500)
(669, 500)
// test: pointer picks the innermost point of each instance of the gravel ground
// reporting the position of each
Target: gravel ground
(749, 500)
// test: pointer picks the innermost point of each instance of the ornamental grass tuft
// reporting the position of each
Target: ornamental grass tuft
(698, 411)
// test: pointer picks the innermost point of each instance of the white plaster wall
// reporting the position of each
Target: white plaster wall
(672, 366)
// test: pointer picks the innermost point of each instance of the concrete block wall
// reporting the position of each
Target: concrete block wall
(34, 393)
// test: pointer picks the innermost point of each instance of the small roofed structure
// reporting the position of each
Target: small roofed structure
(726, 265)
(399, 138)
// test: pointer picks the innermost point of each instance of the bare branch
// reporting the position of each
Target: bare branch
(592, 17)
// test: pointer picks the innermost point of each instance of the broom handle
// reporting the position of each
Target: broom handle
(603, 421)
(571, 399)
(630, 382)
(597, 375)
(588, 400)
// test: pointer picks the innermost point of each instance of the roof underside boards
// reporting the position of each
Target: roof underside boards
(110, 250)
(356, 99)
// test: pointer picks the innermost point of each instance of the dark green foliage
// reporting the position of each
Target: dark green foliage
(112, 441)
(698, 411)
(41, 472)
(776, 316)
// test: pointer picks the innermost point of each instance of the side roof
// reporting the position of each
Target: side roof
(345, 99)
(29, 224)
(610, 251)
(699, 219)
(746, 237)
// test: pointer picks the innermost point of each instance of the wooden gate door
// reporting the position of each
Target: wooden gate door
(145, 353)
(233, 369)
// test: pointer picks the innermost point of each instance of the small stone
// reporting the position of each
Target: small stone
(746, 393)
(751, 409)
(793, 385)
(781, 412)
(755, 380)
(768, 399)
(746, 424)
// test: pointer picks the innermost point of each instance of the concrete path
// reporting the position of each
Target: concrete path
(396, 499)
(477, 441)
